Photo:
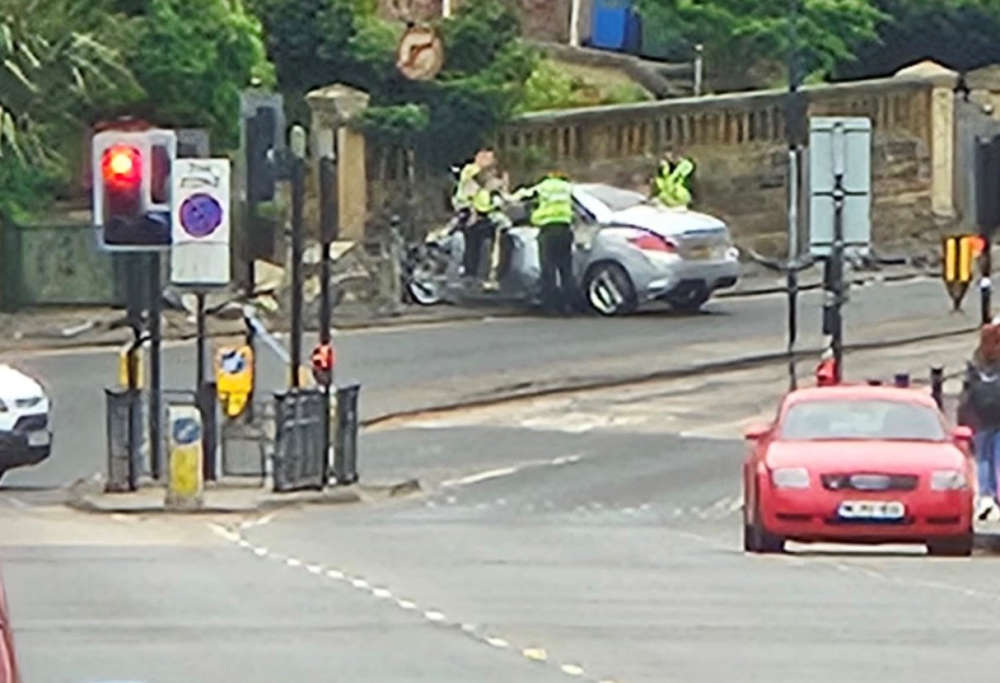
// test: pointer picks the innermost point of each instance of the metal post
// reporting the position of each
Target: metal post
(792, 275)
(155, 370)
(574, 23)
(329, 228)
(252, 132)
(836, 260)
(251, 340)
(985, 283)
(937, 385)
(208, 407)
(298, 201)
(345, 454)
(699, 68)
(200, 342)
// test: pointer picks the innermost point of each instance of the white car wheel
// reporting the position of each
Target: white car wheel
(609, 290)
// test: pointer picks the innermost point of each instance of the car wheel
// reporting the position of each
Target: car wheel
(763, 540)
(688, 305)
(609, 290)
(960, 546)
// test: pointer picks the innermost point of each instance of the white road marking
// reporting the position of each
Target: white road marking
(334, 574)
(260, 552)
(314, 569)
(292, 562)
(567, 460)
(360, 583)
(536, 654)
(572, 669)
(481, 476)
(382, 593)
(225, 533)
(434, 616)
(497, 642)
(406, 604)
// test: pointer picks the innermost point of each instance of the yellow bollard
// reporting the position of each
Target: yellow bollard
(234, 378)
(185, 483)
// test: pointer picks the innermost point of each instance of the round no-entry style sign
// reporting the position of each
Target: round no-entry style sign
(201, 214)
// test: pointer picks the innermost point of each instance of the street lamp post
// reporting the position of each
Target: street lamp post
(794, 125)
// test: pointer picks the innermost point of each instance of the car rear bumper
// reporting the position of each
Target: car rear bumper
(679, 277)
(812, 516)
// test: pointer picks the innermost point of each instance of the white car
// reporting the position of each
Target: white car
(25, 433)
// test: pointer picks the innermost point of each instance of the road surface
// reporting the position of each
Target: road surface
(548, 549)
(403, 369)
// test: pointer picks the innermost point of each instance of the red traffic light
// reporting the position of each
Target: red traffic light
(121, 166)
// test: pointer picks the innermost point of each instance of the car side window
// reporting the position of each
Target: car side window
(582, 215)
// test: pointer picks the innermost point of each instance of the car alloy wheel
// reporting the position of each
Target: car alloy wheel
(960, 546)
(609, 290)
(763, 540)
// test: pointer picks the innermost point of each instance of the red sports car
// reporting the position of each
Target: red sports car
(859, 464)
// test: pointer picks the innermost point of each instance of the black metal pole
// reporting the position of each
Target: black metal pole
(298, 201)
(836, 263)
(200, 343)
(252, 133)
(985, 283)
(329, 225)
(794, 131)
(155, 370)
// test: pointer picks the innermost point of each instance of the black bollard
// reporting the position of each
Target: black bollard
(902, 380)
(345, 450)
(937, 385)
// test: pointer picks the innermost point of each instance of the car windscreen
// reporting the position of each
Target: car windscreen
(861, 419)
(614, 198)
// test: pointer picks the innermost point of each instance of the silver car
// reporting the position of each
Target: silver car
(628, 251)
(631, 251)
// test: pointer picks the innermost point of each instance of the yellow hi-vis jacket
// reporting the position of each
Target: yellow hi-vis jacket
(469, 193)
(554, 201)
(672, 184)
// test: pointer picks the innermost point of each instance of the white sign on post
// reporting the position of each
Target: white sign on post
(200, 223)
(840, 145)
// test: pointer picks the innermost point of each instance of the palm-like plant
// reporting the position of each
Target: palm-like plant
(53, 63)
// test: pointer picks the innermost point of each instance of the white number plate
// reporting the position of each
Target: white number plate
(871, 509)
(39, 438)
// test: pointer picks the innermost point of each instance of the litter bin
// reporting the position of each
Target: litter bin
(345, 449)
(123, 411)
(615, 25)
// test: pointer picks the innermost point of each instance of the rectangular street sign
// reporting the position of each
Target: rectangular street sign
(839, 146)
(200, 223)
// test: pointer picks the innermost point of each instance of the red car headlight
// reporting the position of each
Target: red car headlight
(790, 478)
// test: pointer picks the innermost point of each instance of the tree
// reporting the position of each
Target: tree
(318, 42)
(742, 35)
(960, 34)
(193, 59)
(52, 64)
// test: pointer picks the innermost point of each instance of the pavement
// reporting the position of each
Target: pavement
(592, 536)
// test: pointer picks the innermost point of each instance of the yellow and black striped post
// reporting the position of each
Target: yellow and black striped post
(958, 264)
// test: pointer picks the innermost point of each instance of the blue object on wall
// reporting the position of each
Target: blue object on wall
(613, 24)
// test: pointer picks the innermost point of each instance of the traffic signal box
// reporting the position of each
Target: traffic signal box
(958, 263)
(323, 360)
(131, 191)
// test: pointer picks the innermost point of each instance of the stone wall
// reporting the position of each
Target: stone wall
(738, 142)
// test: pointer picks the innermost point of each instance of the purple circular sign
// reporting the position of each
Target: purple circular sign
(201, 214)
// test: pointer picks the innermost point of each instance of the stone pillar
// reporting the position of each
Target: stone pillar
(941, 81)
(332, 108)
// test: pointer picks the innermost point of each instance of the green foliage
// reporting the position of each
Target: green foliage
(551, 87)
(54, 60)
(193, 59)
(741, 34)
(318, 42)
(25, 188)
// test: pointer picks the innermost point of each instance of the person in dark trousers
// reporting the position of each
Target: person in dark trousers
(553, 216)
(979, 409)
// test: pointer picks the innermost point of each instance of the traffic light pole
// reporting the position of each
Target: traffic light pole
(155, 369)
(985, 283)
(329, 223)
(298, 201)
(834, 270)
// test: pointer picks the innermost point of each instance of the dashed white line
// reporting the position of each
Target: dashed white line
(314, 569)
(360, 583)
(535, 654)
(481, 476)
(292, 562)
(334, 574)
(260, 552)
(497, 642)
(406, 604)
(382, 593)
(433, 615)
(572, 669)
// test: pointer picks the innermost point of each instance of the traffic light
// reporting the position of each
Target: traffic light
(261, 140)
(131, 194)
(987, 162)
(323, 360)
